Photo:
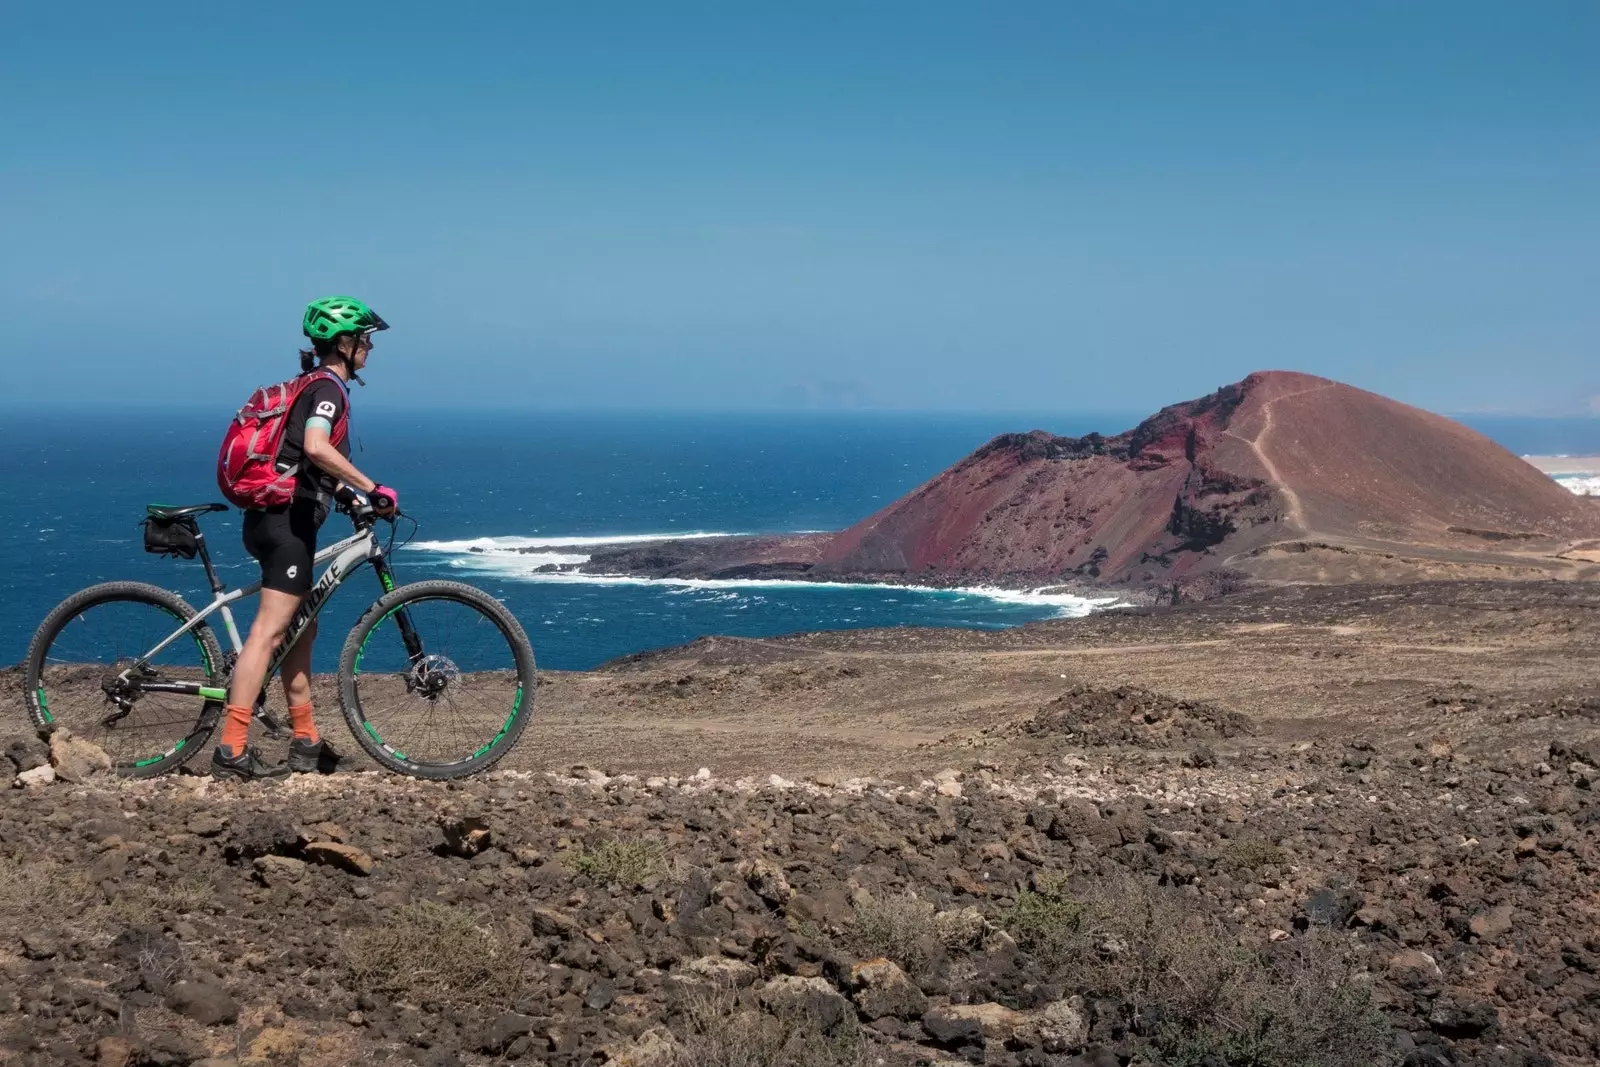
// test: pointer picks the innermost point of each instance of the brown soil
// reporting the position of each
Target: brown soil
(1408, 770)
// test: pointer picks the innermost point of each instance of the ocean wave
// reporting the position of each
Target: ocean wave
(518, 544)
(1581, 484)
(525, 566)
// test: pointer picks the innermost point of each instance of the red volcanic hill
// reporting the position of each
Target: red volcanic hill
(1281, 475)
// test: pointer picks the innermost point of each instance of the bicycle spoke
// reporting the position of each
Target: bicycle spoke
(99, 642)
(457, 703)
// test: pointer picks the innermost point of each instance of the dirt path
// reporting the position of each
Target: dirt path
(1296, 510)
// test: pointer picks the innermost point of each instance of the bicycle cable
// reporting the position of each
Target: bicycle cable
(394, 529)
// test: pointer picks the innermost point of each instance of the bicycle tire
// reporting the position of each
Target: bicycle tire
(370, 739)
(183, 747)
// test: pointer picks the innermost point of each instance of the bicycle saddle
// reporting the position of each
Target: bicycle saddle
(182, 511)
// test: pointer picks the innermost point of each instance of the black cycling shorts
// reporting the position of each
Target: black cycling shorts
(284, 541)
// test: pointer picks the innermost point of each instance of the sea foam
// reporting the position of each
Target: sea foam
(514, 557)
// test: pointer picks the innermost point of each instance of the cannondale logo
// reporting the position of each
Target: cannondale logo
(293, 571)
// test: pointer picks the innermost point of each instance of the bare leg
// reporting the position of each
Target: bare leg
(271, 623)
(296, 669)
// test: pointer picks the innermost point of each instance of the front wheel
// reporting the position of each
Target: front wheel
(437, 680)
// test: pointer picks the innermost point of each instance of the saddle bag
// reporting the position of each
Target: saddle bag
(172, 537)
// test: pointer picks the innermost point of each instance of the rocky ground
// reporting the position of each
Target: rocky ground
(1341, 826)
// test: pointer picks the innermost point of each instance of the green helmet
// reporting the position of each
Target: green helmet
(333, 315)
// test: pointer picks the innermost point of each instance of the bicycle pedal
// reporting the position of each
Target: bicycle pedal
(273, 728)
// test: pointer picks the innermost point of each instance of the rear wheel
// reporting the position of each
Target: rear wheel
(86, 663)
(437, 680)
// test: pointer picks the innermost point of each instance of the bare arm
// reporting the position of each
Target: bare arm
(319, 450)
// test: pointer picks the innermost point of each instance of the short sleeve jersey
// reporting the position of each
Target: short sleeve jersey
(321, 404)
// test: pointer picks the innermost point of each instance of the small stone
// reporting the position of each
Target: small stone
(1491, 924)
(277, 870)
(1414, 969)
(205, 1002)
(963, 881)
(1457, 1017)
(601, 995)
(995, 852)
(26, 753)
(973, 1024)
(205, 824)
(37, 778)
(347, 858)
(703, 774)
(880, 988)
(115, 1050)
(812, 998)
(75, 759)
(504, 1029)
(548, 922)
(38, 945)
(719, 971)
(1278, 935)
(767, 880)
(465, 836)
(1061, 1026)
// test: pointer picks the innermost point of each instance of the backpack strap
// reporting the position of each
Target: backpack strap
(341, 429)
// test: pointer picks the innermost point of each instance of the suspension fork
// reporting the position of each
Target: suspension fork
(408, 632)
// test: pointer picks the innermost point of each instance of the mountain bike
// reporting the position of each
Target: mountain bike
(436, 680)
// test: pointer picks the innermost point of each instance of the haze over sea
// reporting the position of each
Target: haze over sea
(73, 489)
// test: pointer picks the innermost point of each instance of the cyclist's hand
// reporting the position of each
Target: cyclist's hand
(385, 501)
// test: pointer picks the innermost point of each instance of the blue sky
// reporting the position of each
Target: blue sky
(894, 205)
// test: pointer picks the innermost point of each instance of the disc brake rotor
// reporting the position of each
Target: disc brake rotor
(432, 676)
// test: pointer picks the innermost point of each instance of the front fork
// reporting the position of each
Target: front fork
(408, 632)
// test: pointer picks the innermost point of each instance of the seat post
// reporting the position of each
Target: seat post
(205, 558)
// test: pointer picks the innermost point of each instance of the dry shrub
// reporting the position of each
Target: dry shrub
(898, 927)
(623, 863)
(960, 930)
(1191, 992)
(32, 888)
(437, 954)
(1249, 854)
(721, 1033)
(143, 904)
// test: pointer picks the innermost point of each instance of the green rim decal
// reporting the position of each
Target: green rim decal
(44, 705)
(515, 707)
(362, 651)
(373, 732)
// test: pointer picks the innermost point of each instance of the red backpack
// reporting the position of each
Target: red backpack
(247, 465)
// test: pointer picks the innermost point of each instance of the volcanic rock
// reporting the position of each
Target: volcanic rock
(205, 1002)
(881, 988)
(1279, 476)
(74, 758)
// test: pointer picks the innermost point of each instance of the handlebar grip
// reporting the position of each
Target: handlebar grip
(383, 498)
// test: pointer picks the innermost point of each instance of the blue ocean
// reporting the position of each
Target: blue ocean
(73, 489)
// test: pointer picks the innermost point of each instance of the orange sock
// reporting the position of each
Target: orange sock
(304, 728)
(236, 730)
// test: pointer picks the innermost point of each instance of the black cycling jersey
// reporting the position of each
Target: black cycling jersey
(323, 401)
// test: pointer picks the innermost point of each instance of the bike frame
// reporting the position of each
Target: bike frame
(343, 559)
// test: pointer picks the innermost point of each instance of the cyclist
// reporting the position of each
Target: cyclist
(284, 539)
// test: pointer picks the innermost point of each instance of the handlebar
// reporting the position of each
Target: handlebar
(358, 507)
